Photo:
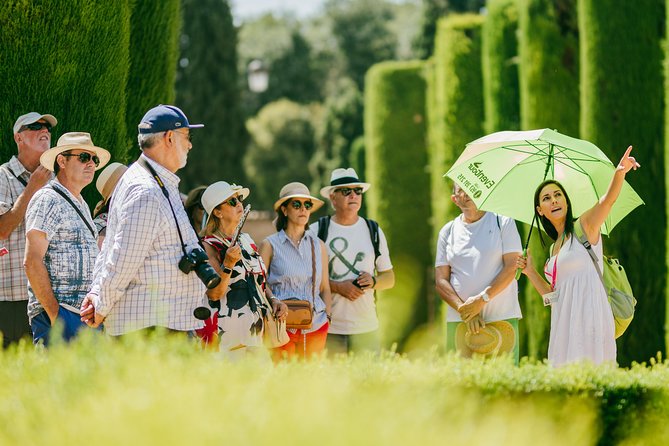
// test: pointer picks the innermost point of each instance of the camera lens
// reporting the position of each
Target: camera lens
(208, 275)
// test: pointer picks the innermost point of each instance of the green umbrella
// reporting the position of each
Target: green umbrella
(501, 171)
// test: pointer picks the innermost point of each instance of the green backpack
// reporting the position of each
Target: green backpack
(616, 284)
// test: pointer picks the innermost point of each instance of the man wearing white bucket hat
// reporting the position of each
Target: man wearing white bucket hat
(359, 264)
(61, 240)
(20, 178)
(142, 276)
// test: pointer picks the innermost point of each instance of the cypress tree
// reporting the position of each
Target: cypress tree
(68, 58)
(396, 160)
(549, 97)
(154, 50)
(621, 104)
(500, 67)
(208, 92)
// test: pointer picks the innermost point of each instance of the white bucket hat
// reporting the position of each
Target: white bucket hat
(343, 178)
(71, 141)
(297, 190)
(220, 191)
(31, 118)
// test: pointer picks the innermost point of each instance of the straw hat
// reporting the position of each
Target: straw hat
(296, 190)
(220, 191)
(343, 178)
(495, 338)
(71, 141)
(108, 178)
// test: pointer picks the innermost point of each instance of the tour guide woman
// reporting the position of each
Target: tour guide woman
(582, 326)
(298, 267)
(243, 284)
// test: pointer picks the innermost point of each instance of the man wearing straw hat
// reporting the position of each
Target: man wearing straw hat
(145, 275)
(474, 275)
(20, 178)
(359, 264)
(61, 240)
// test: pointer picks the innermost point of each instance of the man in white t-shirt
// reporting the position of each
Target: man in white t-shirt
(475, 269)
(359, 263)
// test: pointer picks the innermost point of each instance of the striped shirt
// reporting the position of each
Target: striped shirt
(13, 281)
(137, 282)
(291, 270)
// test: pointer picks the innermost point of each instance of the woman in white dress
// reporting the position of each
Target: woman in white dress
(582, 326)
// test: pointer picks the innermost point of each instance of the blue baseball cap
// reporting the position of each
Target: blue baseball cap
(163, 118)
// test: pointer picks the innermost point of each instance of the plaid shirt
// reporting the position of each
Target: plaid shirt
(13, 281)
(137, 282)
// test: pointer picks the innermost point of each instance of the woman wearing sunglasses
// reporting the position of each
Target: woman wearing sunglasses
(239, 301)
(297, 262)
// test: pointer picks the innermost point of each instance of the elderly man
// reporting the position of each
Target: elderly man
(61, 238)
(359, 264)
(20, 178)
(474, 270)
(142, 275)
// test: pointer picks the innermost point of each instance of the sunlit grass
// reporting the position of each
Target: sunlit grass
(165, 391)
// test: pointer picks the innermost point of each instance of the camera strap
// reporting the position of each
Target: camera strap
(74, 206)
(142, 162)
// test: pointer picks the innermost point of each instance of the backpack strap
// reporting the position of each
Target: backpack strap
(323, 226)
(583, 238)
(373, 227)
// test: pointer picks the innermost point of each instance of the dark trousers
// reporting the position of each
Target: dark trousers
(14, 321)
(356, 343)
(68, 320)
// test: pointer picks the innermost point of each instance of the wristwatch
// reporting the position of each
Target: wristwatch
(485, 297)
(227, 270)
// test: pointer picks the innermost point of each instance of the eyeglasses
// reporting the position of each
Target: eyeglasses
(187, 135)
(346, 191)
(85, 157)
(298, 204)
(234, 200)
(35, 126)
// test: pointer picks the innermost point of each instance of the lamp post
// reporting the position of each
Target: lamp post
(258, 76)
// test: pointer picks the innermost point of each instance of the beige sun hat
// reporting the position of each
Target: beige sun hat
(495, 338)
(297, 190)
(108, 178)
(343, 178)
(71, 141)
(220, 191)
(31, 118)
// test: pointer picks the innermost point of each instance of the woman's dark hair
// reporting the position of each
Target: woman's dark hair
(548, 226)
(281, 221)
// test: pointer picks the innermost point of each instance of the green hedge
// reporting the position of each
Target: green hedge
(549, 97)
(500, 66)
(154, 50)
(622, 104)
(396, 160)
(68, 58)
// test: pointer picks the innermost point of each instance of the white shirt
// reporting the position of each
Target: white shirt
(137, 281)
(474, 252)
(350, 249)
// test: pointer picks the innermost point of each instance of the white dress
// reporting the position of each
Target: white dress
(582, 326)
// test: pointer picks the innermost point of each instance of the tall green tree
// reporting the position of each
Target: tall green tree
(154, 51)
(208, 92)
(549, 97)
(622, 106)
(68, 58)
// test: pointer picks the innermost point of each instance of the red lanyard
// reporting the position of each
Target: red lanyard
(554, 275)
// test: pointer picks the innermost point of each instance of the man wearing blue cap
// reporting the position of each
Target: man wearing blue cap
(138, 282)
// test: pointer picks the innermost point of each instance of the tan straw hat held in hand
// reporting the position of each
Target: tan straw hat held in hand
(495, 338)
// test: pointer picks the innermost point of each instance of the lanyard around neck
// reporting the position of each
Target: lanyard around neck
(554, 276)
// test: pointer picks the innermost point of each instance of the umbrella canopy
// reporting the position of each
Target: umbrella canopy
(501, 171)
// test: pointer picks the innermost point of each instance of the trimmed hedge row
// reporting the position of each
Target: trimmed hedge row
(397, 167)
(622, 104)
(68, 58)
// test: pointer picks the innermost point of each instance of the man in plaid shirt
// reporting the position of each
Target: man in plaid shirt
(20, 178)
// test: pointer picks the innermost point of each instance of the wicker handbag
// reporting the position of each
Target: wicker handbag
(301, 312)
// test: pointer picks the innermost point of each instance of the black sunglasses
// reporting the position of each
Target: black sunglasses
(85, 157)
(234, 200)
(346, 191)
(298, 204)
(35, 126)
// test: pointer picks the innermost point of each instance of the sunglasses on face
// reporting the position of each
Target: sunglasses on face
(234, 200)
(298, 204)
(346, 191)
(35, 126)
(85, 157)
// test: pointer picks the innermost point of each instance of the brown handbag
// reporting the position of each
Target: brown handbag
(301, 312)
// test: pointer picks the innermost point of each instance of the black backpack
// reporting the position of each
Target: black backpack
(373, 226)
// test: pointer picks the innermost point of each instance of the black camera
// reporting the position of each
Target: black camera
(198, 261)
